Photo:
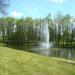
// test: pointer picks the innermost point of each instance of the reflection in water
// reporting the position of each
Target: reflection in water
(65, 53)
(69, 54)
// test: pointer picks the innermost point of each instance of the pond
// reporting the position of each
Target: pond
(56, 52)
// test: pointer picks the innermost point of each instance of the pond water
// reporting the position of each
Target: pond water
(56, 52)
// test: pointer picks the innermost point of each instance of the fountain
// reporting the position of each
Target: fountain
(44, 45)
(45, 48)
(44, 36)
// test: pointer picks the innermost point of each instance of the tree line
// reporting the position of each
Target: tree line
(24, 31)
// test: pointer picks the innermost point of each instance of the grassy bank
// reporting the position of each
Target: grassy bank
(16, 62)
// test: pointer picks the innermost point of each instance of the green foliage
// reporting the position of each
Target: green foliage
(23, 32)
(3, 6)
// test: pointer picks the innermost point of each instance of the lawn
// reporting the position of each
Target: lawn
(17, 62)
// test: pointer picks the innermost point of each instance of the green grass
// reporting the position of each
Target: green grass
(16, 62)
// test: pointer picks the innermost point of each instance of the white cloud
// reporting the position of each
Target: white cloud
(58, 1)
(17, 14)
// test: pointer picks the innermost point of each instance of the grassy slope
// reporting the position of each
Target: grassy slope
(15, 62)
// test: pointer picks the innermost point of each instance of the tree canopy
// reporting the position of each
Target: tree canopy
(3, 6)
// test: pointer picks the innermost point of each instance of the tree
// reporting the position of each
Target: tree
(66, 28)
(59, 26)
(2, 25)
(19, 38)
(3, 6)
(9, 29)
(29, 22)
